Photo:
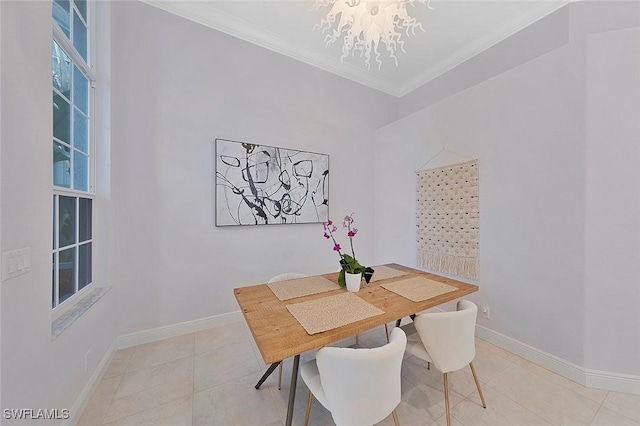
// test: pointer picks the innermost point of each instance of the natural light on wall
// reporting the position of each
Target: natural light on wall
(363, 24)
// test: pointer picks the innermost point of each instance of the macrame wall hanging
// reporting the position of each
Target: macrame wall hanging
(448, 216)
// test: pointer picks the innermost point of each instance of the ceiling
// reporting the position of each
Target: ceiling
(455, 30)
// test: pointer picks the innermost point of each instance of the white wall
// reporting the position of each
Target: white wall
(36, 371)
(178, 86)
(554, 276)
(1, 266)
(612, 244)
(524, 127)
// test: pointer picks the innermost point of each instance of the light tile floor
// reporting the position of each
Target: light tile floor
(207, 378)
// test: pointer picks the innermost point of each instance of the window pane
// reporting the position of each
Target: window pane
(85, 219)
(61, 15)
(66, 273)
(80, 90)
(82, 7)
(80, 131)
(80, 171)
(61, 67)
(53, 281)
(84, 265)
(67, 221)
(54, 222)
(61, 165)
(80, 36)
(61, 118)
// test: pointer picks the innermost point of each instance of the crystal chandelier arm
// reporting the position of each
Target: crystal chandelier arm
(364, 24)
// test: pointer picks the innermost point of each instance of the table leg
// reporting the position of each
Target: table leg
(292, 390)
(267, 374)
(412, 316)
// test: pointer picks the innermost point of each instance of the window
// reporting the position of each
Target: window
(71, 246)
(72, 150)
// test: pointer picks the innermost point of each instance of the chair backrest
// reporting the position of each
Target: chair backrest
(362, 386)
(287, 276)
(448, 337)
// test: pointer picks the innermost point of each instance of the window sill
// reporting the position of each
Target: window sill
(63, 322)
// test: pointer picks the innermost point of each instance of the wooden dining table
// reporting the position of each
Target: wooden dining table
(279, 335)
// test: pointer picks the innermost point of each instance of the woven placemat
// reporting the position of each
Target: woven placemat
(384, 272)
(290, 289)
(332, 312)
(418, 289)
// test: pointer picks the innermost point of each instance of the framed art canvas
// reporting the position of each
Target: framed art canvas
(264, 185)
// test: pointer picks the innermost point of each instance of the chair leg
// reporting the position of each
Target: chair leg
(428, 365)
(306, 416)
(446, 398)
(395, 418)
(280, 376)
(475, 377)
(386, 331)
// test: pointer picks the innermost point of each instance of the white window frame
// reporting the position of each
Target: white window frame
(88, 69)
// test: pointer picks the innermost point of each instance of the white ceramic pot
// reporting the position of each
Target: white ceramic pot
(353, 281)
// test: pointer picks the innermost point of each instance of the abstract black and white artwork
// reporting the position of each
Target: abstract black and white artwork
(263, 185)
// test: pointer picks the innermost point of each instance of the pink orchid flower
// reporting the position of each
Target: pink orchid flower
(352, 233)
(337, 247)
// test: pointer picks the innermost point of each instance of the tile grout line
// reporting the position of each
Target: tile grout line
(596, 413)
(104, 416)
(615, 411)
(561, 383)
(143, 411)
(520, 405)
(193, 387)
(127, 372)
(488, 383)
(523, 407)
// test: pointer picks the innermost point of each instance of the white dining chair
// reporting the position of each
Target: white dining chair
(446, 340)
(285, 277)
(360, 387)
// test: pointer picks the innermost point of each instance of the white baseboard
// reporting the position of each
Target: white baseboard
(613, 381)
(584, 376)
(159, 333)
(87, 392)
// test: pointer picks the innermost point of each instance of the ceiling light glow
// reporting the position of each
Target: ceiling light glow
(364, 24)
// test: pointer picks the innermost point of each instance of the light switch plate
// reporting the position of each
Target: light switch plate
(16, 262)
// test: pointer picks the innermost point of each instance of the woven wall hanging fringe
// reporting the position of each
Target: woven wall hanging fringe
(448, 216)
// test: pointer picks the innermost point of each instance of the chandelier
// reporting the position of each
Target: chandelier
(364, 24)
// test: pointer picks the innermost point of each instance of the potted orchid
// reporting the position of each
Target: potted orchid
(348, 263)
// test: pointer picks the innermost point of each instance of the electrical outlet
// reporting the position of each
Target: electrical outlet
(486, 311)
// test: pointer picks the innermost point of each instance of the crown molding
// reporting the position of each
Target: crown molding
(202, 13)
(509, 28)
